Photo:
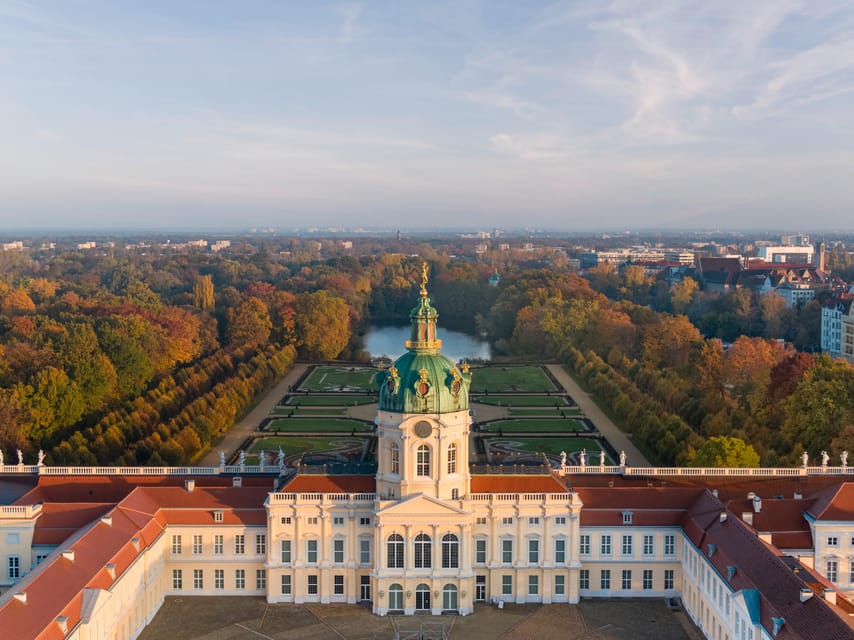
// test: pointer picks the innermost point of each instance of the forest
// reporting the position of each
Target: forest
(143, 357)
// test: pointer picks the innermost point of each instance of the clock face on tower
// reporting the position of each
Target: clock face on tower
(422, 429)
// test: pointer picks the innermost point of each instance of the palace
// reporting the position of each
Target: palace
(91, 553)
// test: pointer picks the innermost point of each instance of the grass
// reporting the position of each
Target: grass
(340, 379)
(331, 400)
(550, 445)
(297, 444)
(322, 411)
(317, 424)
(498, 379)
(546, 412)
(522, 401)
(544, 425)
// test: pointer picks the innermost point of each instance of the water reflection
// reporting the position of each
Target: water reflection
(456, 345)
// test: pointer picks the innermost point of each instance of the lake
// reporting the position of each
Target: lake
(389, 341)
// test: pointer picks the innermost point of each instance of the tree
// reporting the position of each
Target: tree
(725, 451)
(203, 292)
(682, 293)
(322, 325)
(249, 324)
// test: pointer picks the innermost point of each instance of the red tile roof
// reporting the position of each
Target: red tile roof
(506, 483)
(310, 483)
(59, 521)
(649, 506)
(834, 503)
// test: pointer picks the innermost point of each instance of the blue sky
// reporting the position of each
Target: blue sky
(565, 115)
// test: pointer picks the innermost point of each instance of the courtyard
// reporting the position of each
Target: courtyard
(236, 618)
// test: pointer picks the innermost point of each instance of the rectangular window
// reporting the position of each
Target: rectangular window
(176, 545)
(13, 566)
(584, 544)
(260, 544)
(506, 551)
(364, 522)
(219, 578)
(197, 545)
(507, 520)
(177, 579)
(285, 520)
(560, 520)
(240, 579)
(260, 579)
(649, 545)
(605, 579)
(218, 546)
(338, 521)
(506, 585)
(311, 551)
(286, 585)
(480, 552)
(480, 520)
(560, 551)
(832, 570)
(198, 579)
(40, 557)
(670, 545)
(286, 551)
(560, 585)
(312, 520)
(533, 521)
(851, 573)
(832, 541)
(626, 546)
(312, 585)
(584, 579)
(239, 544)
(627, 517)
(364, 551)
(533, 551)
(533, 585)
(338, 551)
(647, 579)
(338, 585)
(455, 494)
(668, 579)
(605, 549)
(627, 580)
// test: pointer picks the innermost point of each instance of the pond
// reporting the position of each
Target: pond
(389, 341)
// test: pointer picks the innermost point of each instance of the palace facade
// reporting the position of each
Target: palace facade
(91, 553)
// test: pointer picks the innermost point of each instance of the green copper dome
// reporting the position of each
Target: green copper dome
(422, 380)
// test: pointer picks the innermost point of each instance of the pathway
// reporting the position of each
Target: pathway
(619, 440)
(234, 437)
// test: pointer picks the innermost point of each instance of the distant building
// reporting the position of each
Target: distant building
(837, 327)
(787, 253)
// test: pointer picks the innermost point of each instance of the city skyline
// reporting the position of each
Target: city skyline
(572, 115)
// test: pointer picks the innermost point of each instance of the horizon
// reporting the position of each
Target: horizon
(465, 115)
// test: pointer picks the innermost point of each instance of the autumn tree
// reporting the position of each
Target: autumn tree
(322, 325)
(249, 324)
(203, 292)
(725, 451)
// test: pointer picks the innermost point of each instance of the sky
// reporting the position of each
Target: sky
(461, 114)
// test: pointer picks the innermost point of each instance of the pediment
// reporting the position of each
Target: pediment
(420, 505)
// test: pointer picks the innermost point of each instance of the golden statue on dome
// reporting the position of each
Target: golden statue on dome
(424, 280)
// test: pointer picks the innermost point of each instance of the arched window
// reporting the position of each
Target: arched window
(395, 551)
(395, 597)
(422, 460)
(450, 552)
(452, 458)
(422, 597)
(395, 457)
(423, 551)
(449, 597)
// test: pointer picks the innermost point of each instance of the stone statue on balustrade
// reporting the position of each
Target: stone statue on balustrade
(622, 458)
(221, 458)
(824, 458)
(805, 459)
(582, 458)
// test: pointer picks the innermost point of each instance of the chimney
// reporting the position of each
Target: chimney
(68, 554)
(751, 495)
(757, 504)
(21, 596)
(237, 481)
(806, 594)
(830, 596)
(715, 492)
(189, 485)
(723, 516)
(747, 516)
(107, 520)
(799, 496)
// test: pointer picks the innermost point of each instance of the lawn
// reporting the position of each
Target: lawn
(297, 444)
(330, 400)
(551, 446)
(522, 401)
(304, 412)
(497, 379)
(340, 379)
(547, 412)
(317, 424)
(547, 425)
